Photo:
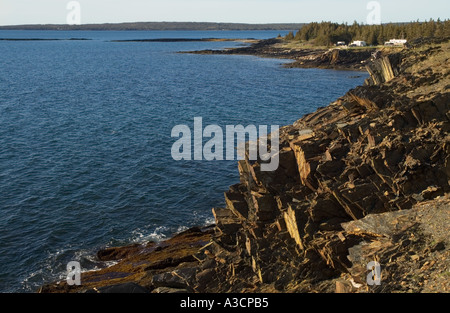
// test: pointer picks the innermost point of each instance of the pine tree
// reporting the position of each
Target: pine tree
(289, 36)
(327, 33)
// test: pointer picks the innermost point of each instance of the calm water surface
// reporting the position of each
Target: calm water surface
(85, 138)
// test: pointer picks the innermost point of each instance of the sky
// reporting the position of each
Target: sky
(18, 12)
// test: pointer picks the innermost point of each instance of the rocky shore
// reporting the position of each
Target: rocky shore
(249, 40)
(303, 57)
(363, 179)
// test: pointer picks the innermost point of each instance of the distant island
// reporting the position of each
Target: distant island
(159, 26)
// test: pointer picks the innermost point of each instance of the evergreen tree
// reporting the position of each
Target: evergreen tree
(327, 33)
(289, 36)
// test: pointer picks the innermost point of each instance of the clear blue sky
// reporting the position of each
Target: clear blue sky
(14, 12)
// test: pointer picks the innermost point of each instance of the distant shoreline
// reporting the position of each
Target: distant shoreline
(160, 26)
(245, 40)
(42, 39)
(302, 57)
(252, 40)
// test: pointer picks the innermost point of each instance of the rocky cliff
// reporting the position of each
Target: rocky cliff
(363, 179)
(382, 147)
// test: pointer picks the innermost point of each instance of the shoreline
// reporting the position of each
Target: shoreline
(302, 57)
(246, 40)
(309, 226)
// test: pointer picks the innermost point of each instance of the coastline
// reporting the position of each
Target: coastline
(293, 230)
(302, 57)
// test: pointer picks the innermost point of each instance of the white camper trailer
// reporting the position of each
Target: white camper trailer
(358, 43)
(396, 42)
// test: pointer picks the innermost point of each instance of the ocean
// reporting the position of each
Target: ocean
(85, 138)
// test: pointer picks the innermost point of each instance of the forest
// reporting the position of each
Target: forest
(328, 33)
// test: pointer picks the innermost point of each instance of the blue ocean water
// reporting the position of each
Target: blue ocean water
(85, 138)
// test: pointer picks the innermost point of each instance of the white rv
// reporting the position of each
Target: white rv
(396, 42)
(358, 43)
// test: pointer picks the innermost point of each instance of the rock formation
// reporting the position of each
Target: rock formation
(363, 179)
(382, 147)
(336, 58)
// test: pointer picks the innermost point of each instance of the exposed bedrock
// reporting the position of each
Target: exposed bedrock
(382, 147)
(363, 179)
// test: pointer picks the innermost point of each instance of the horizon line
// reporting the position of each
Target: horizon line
(206, 22)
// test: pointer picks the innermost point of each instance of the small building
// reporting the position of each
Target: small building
(396, 42)
(358, 43)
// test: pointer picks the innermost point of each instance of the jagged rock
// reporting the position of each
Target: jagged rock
(378, 225)
(168, 280)
(308, 155)
(383, 69)
(292, 218)
(264, 206)
(117, 253)
(403, 242)
(120, 288)
(227, 224)
(182, 278)
(350, 189)
(169, 290)
(236, 203)
(324, 207)
(374, 150)
(344, 287)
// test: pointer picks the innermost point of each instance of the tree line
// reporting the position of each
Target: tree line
(328, 33)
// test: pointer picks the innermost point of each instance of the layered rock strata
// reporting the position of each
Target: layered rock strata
(382, 147)
(363, 179)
